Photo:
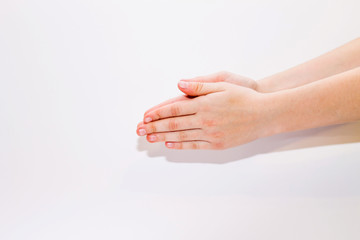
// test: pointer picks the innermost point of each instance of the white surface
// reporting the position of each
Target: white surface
(76, 77)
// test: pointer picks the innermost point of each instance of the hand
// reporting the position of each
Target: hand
(225, 76)
(223, 116)
(222, 76)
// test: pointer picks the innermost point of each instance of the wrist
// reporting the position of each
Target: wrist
(276, 109)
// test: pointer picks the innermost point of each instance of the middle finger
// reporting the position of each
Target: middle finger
(171, 125)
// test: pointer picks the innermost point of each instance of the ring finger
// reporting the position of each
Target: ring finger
(179, 136)
(170, 125)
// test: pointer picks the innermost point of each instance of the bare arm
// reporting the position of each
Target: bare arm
(329, 101)
(336, 61)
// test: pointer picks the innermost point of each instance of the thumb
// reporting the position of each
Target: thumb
(214, 77)
(200, 88)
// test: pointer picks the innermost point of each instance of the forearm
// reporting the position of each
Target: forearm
(329, 101)
(336, 61)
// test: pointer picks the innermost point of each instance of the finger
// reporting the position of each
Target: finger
(200, 88)
(179, 136)
(214, 77)
(172, 100)
(139, 124)
(172, 110)
(170, 125)
(188, 145)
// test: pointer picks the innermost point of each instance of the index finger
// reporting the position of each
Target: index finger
(172, 110)
(172, 100)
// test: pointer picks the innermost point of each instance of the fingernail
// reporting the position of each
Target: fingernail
(170, 145)
(148, 119)
(183, 84)
(142, 132)
(152, 138)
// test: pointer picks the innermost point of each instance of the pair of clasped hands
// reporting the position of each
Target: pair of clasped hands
(218, 111)
(223, 110)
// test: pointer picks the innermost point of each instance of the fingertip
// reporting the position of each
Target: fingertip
(140, 129)
(169, 144)
(139, 124)
(147, 119)
(151, 138)
(183, 85)
(187, 88)
(141, 132)
(187, 80)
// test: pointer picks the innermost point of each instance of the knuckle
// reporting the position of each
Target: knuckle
(217, 135)
(161, 137)
(195, 145)
(153, 127)
(157, 114)
(199, 87)
(173, 124)
(175, 110)
(208, 122)
(183, 135)
(219, 146)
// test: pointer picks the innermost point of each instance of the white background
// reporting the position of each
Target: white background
(75, 79)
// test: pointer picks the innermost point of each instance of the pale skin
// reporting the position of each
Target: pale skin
(224, 110)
